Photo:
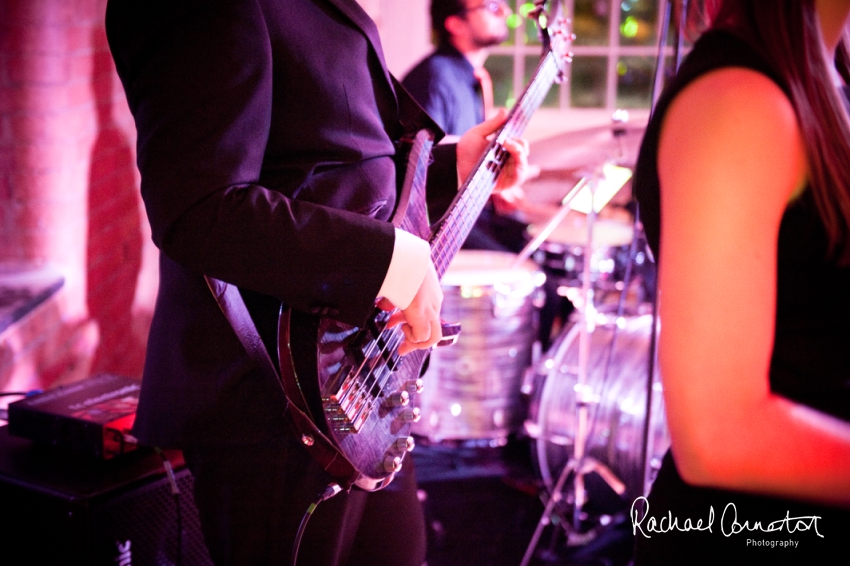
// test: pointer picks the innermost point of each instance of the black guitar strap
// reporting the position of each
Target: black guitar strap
(314, 441)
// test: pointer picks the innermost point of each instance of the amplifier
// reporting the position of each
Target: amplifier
(67, 508)
(93, 416)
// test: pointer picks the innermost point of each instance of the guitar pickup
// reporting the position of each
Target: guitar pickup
(377, 322)
(360, 346)
(392, 361)
(377, 378)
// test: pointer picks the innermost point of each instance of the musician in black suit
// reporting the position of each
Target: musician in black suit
(266, 136)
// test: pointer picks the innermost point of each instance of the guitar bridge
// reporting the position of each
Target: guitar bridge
(343, 407)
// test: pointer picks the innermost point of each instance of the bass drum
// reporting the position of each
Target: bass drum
(616, 385)
(472, 388)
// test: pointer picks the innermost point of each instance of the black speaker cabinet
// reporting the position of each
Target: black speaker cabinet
(65, 508)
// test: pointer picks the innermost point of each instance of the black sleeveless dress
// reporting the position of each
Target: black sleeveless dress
(810, 364)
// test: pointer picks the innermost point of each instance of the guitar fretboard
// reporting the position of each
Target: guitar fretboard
(473, 194)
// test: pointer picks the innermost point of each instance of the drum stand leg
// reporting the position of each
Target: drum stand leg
(580, 464)
(576, 468)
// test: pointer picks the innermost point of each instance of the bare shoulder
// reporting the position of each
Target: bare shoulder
(735, 96)
(732, 122)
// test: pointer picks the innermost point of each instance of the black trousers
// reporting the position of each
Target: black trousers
(251, 499)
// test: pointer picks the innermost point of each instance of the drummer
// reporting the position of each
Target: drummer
(452, 85)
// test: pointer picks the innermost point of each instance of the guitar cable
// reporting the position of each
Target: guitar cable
(331, 490)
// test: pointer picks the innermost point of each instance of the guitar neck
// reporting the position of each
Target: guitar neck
(474, 192)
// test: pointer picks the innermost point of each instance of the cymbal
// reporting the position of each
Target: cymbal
(588, 148)
(565, 158)
(572, 230)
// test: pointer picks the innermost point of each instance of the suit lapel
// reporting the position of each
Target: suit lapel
(354, 12)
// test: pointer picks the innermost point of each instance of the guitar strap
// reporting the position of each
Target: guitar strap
(319, 446)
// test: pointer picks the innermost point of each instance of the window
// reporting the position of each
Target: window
(614, 55)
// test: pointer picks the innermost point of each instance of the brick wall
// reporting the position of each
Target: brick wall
(69, 196)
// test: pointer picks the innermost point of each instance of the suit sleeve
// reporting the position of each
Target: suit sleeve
(198, 79)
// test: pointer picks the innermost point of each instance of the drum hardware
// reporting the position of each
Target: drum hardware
(570, 485)
(579, 464)
(614, 399)
(651, 465)
(550, 226)
(619, 119)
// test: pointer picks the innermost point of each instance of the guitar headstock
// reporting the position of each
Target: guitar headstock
(556, 32)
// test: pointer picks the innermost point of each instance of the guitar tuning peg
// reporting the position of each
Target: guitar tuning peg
(406, 444)
(411, 415)
(399, 399)
(392, 463)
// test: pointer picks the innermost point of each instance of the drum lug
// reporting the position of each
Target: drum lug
(530, 376)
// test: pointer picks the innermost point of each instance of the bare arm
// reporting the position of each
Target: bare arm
(730, 159)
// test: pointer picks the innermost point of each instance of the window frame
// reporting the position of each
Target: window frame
(518, 50)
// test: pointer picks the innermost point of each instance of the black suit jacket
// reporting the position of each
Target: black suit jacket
(266, 136)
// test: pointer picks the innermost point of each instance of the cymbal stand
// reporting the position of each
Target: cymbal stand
(580, 464)
(550, 226)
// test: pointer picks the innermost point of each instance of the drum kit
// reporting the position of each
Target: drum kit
(582, 404)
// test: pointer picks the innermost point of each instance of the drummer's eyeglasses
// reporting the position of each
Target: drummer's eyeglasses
(494, 6)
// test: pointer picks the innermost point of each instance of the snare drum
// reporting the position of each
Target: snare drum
(562, 254)
(472, 388)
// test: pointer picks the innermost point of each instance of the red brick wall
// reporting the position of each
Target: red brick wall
(69, 196)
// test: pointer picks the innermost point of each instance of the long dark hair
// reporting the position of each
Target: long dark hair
(787, 33)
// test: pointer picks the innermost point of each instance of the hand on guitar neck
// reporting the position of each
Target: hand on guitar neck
(473, 143)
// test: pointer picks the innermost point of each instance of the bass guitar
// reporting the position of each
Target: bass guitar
(351, 391)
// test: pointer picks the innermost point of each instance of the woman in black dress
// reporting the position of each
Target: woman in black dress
(744, 184)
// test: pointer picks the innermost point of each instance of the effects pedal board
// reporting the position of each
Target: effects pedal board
(92, 416)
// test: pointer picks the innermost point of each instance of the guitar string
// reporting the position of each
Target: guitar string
(536, 93)
(354, 392)
(362, 393)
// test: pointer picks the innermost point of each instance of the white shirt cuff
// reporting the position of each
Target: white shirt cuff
(411, 256)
